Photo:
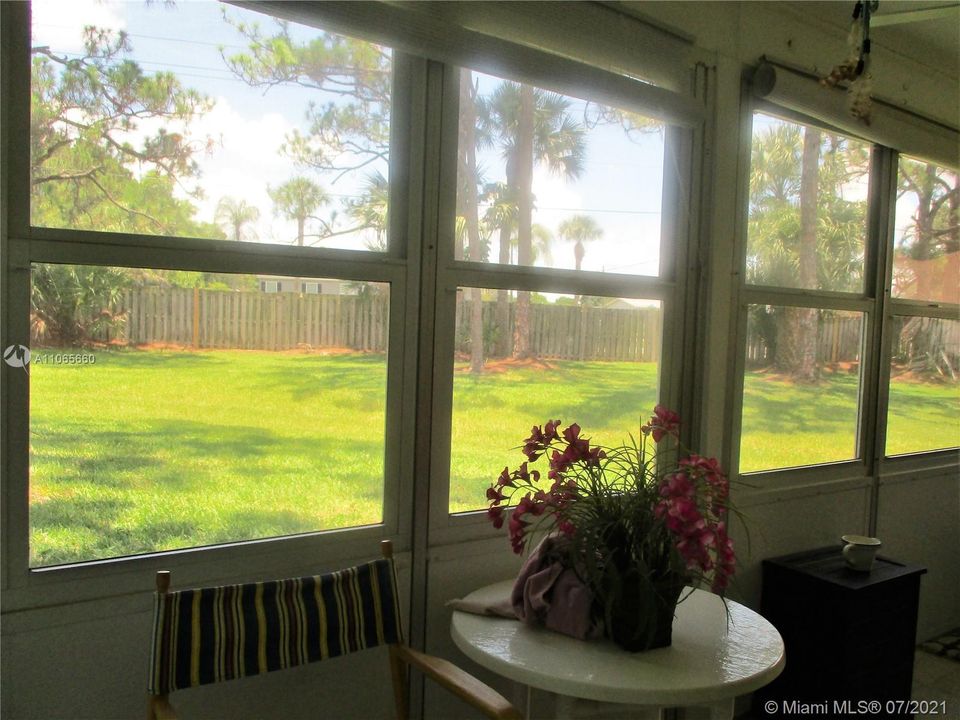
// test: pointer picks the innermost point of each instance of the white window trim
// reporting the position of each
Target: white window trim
(24, 587)
(677, 227)
(878, 308)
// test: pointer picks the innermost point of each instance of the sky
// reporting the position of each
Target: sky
(620, 187)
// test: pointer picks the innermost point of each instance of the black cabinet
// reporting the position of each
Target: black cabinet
(849, 636)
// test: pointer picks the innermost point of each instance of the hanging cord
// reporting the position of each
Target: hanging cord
(855, 69)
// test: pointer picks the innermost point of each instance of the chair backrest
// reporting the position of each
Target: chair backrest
(209, 635)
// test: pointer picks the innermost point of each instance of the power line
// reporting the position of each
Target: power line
(152, 37)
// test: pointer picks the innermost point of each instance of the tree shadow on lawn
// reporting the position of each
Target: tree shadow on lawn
(135, 358)
(777, 406)
(110, 457)
(590, 394)
(909, 401)
(131, 469)
(310, 376)
(108, 454)
(93, 532)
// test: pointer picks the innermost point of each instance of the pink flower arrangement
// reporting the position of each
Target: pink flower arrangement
(632, 502)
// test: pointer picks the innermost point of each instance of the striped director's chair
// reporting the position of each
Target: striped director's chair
(208, 635)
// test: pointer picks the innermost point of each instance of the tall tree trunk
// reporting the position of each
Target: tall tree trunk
(504, 337)
(469, 210)
(925, 241)
(524, 149)
(797, 331)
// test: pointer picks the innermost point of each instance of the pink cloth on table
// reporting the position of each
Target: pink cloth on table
(549, 594)
(544, 593)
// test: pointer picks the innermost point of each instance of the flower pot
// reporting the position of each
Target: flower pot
(640, 611)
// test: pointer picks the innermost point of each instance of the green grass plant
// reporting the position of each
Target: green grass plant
(494, 412)
(153, 450)
(788, 424)
(150, 450)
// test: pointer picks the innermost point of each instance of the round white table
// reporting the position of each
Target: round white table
(717, 654)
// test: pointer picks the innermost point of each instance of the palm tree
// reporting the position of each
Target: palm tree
(468, 207)
(579, 229)
(531, 126)
(541, 244)
(297, 199)
(371, 210)
(802, 232)
(501, 216)
(233, 215)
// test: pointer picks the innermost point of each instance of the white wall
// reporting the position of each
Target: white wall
(89, 660)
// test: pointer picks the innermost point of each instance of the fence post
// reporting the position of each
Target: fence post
(196, 317)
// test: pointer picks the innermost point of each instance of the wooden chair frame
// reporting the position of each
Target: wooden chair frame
(402, 657)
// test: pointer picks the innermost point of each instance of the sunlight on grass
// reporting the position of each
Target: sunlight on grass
(788, 425)
(922, 416)
(154, 450)
(494, 412)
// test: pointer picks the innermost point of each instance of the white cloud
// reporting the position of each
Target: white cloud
(243, 159)
(59, 23)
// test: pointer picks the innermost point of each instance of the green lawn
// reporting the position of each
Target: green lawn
(786, 424)
(156, 450)
(493, 414)
(153, 450)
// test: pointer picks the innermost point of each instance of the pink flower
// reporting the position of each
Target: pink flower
(676, 485)
(550, 430)
(504, 479)
(595, 456)
(559, 462)
(571, 433)
(532, 450)
(516, 528)
(494, 494)
(539, 439)
(663, 422)
(523, 474)
(530, 505)
(495, 513)
(708, 469)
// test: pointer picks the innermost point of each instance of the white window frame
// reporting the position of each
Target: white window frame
(873, 301)
(682, 141)
(24, 587)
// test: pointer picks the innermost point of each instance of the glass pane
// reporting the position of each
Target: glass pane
(548, 180)
(589, 360)
(926, 265)
(199, 119)
(177, 409)
(923, 411)
(808, 207)
(801, 389)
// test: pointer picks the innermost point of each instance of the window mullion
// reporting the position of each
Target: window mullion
(15, 283)
(876, 351)
(582, 282)
(760, 295)
(918, 308)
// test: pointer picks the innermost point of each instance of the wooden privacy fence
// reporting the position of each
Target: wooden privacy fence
(569, 332)
(254, 320)
(282, 321)
(838, 340)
